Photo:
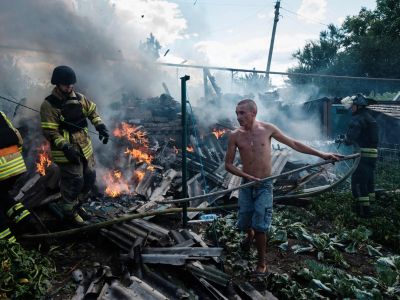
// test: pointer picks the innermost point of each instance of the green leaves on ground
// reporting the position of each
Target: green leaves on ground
(23, 274)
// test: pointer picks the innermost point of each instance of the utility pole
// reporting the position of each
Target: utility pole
(271, 46)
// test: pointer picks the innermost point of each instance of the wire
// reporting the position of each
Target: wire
(35, 110)
(215, 3)
(299, 15)
(278, 73)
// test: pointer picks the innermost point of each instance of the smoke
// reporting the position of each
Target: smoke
(283, 108)
(98, 39)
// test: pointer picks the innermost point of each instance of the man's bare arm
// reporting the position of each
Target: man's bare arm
(300, 147)
(230, 157)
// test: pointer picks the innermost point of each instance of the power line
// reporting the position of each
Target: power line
(279, 73)
(299, 15)
(215, 3)
(35, 110)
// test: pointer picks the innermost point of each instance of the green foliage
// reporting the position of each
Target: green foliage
(384, 225)
(23, 274)
(388, 269)
(365, 45)
(284, 287)
(226, 235)
(336, 283)
(253, 82)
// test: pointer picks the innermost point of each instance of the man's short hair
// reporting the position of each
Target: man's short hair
(250, 104)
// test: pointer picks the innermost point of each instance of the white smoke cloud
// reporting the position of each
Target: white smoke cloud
(98, 39)
(312, 11)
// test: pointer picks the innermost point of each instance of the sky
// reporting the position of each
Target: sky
(100, 40)
(237, 33)
(91, 35)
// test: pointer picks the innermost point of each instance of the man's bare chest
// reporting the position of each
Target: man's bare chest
(253, 142)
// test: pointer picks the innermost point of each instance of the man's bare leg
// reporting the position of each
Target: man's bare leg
(261, 244)
(250, 235)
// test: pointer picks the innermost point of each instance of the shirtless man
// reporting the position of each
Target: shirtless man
(253, 139)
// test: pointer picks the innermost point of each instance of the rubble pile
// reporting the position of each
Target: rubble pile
(141, 173)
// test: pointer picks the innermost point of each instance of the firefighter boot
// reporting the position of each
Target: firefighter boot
(6, 234)
(363, 207)
(75, 220)
(365, 212)
(371, 197)
(83, 213)
(71, 216)
(356, 208)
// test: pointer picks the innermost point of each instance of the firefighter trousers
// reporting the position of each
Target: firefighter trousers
(363, 181)
(12, 213)
(76, 181)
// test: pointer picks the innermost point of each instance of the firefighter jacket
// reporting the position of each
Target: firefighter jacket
(363, 131)
(64, 121)
(11, 160)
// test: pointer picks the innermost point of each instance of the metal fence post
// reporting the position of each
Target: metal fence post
(184, 146)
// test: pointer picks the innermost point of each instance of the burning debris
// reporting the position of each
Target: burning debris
(43, 159)
(142, 173)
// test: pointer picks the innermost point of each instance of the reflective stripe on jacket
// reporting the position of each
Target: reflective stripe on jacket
(369, 152)
(51, 120)
(11, 161)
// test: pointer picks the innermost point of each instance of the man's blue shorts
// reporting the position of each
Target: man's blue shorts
(255, 207)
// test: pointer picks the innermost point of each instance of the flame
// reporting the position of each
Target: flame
(139, 174)
(116, 184)
(139, 155)
(189, 149)
(138, 149)
(218, 132)
(43, 159)
(132, 134)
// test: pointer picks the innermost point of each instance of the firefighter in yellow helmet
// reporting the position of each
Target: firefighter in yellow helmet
(12, 165)
(64, 116)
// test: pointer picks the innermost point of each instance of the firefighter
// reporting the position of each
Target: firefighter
(64, 116)
(363, 132)
(12, 166)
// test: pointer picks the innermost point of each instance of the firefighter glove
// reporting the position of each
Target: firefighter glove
(71, 154)
(103, 133)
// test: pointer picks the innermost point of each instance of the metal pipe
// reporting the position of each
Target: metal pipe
(184, 146)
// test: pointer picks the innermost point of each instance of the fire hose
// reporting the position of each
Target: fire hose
(128, 217)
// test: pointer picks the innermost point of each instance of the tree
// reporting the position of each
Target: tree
(365, 45)
(151, 47)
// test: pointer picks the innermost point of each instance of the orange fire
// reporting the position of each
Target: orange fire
(139, 155)
(43, 159)
(150, 168)
(189, 149)
(218, 132)
(116, 184)
(138, 149)
(139, 175)
(132, 134)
